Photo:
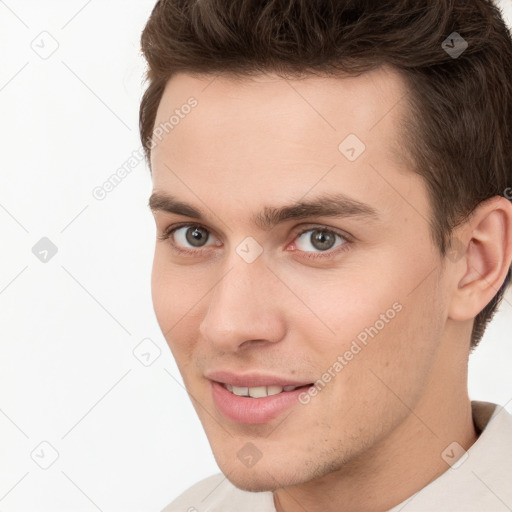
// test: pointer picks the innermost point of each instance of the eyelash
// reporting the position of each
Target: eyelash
(167, 235)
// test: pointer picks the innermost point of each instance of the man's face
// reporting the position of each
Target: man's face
(355, 304)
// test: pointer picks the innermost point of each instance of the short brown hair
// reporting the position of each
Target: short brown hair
(459, 131)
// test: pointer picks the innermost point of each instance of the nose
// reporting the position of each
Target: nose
(245, 307)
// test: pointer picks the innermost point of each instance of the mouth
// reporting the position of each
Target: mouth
(260, 391)
(255, 400)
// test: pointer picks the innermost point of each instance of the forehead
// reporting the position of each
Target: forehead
(372, 104)
(266, 137)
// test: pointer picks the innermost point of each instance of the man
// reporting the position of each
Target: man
(330, 195)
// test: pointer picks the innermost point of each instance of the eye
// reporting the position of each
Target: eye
(320, 239)
(190, 239)
(193, 234)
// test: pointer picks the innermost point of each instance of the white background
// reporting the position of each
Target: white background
(126, 434)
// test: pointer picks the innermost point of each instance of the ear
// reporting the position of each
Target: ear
(482, 254)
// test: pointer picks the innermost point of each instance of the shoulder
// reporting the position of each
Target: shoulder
(217, 493)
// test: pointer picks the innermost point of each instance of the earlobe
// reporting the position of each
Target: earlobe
(486, 261)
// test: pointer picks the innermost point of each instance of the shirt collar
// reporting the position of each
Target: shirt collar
(482, 478)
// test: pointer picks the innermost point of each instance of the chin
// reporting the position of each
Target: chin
(261, 480)
(254, 483)
(263, 476)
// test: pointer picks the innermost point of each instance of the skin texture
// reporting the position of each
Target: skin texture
(375, 433)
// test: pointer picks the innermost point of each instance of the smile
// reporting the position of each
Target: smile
(254, 405)
(259, 391)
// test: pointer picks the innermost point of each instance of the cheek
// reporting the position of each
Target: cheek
(163, 295)
(179, 298)
(172, 290)
(383, 333)
(172, 300)
(382, 303)
(345, 308)
(394, 363)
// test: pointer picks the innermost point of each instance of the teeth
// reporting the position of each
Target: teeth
(273, 390)
(258, 391)
(240, 391)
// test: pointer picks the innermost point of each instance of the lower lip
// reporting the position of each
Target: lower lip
(253, 411)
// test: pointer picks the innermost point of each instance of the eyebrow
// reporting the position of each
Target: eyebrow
(327, 205)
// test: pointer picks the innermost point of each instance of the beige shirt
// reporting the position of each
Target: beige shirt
(480, 481)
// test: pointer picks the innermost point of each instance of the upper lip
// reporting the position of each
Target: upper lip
(252, 379)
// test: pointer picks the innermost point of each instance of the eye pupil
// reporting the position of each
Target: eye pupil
(195, 235)
(322, 240)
